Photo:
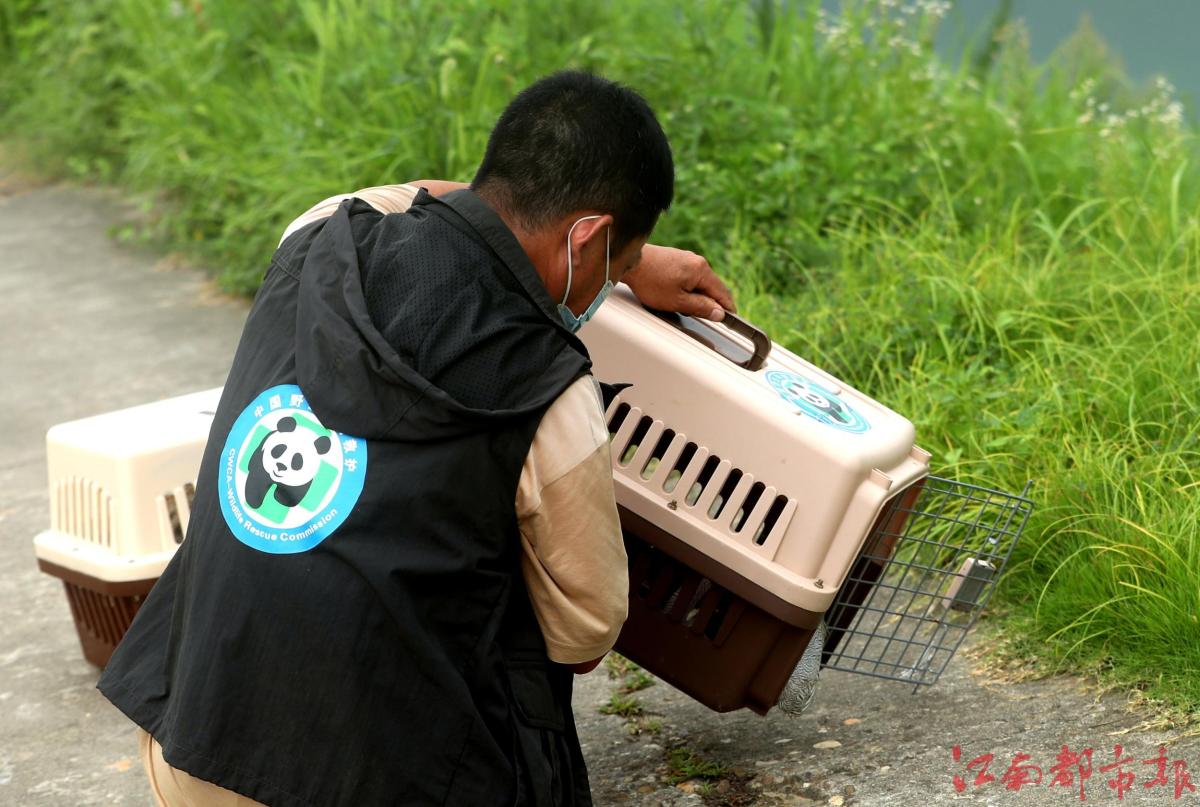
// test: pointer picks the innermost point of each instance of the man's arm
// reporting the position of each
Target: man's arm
(384, 198)
(666, 278)
(573, 558)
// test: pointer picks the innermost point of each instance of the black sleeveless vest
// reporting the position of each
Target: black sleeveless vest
(345, 622)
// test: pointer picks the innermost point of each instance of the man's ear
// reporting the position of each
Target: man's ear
(579, 233)
(588, 230)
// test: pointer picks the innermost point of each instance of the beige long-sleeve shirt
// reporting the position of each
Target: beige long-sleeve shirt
(573, 559)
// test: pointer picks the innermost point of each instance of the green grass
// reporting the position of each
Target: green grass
(684, 764)
(633, 678)
(643, 725)
(1006, 252)
(622, 705)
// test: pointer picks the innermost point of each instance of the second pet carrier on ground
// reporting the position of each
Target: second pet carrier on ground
(748, 481)
(121, 488)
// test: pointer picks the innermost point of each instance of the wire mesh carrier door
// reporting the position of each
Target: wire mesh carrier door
(925, 573)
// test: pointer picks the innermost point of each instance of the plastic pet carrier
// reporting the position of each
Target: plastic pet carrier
(121, 489)
(760, 498)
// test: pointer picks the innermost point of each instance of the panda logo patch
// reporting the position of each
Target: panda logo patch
(286, 481)
(816, 402)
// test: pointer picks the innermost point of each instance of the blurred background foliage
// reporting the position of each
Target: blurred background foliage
(1004, 251)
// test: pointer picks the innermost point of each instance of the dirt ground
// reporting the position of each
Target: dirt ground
(89, 325)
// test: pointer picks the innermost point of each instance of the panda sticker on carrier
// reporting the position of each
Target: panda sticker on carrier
(817, 402)
(286, 481)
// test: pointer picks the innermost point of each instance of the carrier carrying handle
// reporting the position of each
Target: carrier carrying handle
(707, 334)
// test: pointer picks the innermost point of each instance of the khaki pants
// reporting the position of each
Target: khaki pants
(174, 788)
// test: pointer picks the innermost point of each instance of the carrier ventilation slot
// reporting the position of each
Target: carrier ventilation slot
(751, 501)
(682, 595)
(174, 512)
(696, 489)
(82, 508)
(772, 517)
(102, 616)
(656, 456)
(635, 441)
(723, 495)
(665, 459)
(680, 465)
(614, 423)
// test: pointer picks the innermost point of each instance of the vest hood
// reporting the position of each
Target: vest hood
(357, 380)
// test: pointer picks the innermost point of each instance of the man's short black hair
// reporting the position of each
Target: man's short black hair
(575, 141)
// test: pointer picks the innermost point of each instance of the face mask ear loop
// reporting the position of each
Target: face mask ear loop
(607, 251)
(570, 267)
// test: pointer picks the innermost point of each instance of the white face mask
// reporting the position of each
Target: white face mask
(569, 319)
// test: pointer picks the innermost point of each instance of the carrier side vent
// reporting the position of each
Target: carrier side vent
(84, 509)
(681, 594)
(174, 512)
(666, 461)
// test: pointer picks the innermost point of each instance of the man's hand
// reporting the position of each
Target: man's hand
(677, 280)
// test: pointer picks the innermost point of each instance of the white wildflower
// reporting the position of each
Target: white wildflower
(832, 33)
(933, 8)
(1084, 88)
(1173, 115)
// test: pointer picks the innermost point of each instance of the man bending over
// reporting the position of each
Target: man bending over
(404, 540)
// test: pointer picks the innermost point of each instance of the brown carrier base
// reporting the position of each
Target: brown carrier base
(102, 610)
(706, 630)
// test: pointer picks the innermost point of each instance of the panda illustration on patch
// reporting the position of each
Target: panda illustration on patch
(287, 481)
(287, 458)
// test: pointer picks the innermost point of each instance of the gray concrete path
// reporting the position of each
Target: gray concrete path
(88, 326)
